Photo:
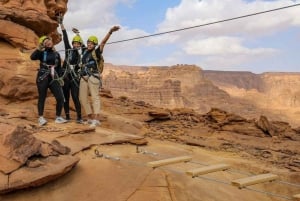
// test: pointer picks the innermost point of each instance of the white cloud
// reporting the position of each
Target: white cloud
(224, 46)
(194, 13)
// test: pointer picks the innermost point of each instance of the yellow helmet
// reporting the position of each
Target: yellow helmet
(93, 39)
(77, 38)
(42, 39)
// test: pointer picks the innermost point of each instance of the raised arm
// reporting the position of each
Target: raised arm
(107, 36)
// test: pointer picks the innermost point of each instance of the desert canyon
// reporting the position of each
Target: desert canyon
(250, 122)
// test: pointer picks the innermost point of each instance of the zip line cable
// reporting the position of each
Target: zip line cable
(201, 25)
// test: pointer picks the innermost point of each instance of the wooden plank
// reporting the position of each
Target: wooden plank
(207, 169)
(241, 183)
(296, 197)
(168, 161)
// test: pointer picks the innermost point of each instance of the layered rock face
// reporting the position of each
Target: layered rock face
(22, 23)
(171, 87)
(276, 92)
(280, 88)
(146, 85)
(272, 94)
(283, 88)
(244, 80)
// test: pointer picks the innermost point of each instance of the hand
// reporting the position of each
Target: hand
(114, 28)
(76, 31)
(59, 19)
(62, 27)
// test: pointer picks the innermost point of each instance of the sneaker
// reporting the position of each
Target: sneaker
(68, 117)
(42, 121)
(60, 120)
(79, 121)
(95, 123)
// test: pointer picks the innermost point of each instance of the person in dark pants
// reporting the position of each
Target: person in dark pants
(70, 73)
(47, 77)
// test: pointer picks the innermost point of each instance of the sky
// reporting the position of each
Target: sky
(268, 42)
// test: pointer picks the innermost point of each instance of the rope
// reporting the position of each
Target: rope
(269, 193)
(74, 76)
(288, 183)
(202, 25)
(247, 188)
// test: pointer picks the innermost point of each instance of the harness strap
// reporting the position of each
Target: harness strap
(45, 57)
(45, 74)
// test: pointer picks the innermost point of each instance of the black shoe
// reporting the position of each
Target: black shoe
(79, 121)
(68, 117)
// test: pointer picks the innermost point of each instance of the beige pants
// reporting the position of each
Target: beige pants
(89, 85)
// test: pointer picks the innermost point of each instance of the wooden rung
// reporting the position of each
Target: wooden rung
(241, 183)
(155, 164)
(296, 197)
(207, 169)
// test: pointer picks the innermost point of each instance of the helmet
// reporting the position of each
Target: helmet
(93, 39)
(42, 39)
(77, 38)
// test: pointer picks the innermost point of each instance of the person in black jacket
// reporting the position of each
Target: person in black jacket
(70, 73)
(48, 77)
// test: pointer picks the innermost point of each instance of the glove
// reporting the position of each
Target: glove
(59, 18)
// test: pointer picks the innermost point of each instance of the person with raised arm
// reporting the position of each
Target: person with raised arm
(91, 71)
(70, 71)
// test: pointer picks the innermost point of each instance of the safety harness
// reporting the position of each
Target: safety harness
(90, 67)
(71, 68)
(49, 70)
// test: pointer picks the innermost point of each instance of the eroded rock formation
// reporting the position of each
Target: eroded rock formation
(170, 87)
(245, 93)
(18, 148)
(23, 21)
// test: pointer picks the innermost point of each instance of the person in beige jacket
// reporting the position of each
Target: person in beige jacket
(91, 76)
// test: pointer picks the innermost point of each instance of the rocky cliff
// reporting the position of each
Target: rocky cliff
(272, 94)
(170, 87)
(22, 23)
(276, 92)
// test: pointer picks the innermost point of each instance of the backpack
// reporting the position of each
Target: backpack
(100, 62)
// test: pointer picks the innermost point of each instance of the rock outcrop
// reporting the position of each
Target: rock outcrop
(23, 22)
(272, 141)
(21, 163)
